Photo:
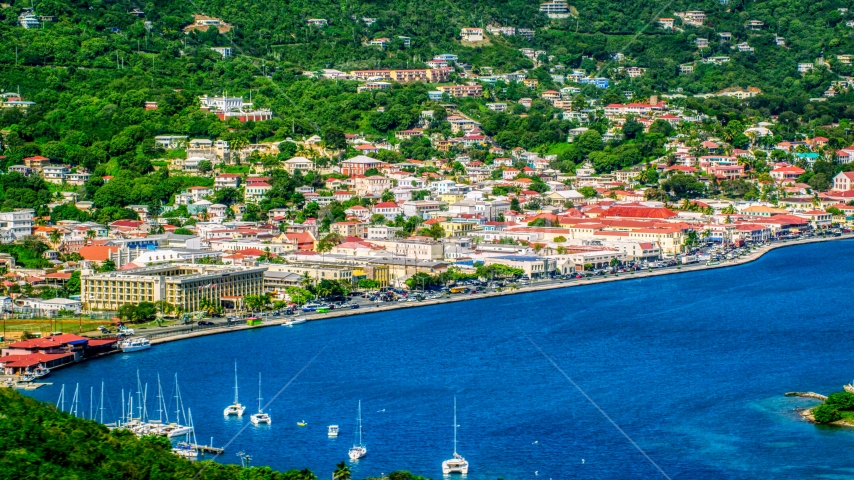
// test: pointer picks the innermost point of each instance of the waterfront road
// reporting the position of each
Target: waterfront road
(219, 325)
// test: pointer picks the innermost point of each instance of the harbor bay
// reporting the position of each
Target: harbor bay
(691, 367)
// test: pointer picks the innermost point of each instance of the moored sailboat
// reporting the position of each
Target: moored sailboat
(187, 448)
(457, 464)
(358, 450)
(260, 417)
(235, 408)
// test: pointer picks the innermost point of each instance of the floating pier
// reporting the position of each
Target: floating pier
(204, 448)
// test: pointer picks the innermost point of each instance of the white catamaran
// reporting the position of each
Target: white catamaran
(458, 464)
(359, 450)
(260, 417)
(235, 408)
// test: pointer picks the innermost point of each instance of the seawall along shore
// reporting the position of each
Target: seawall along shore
(751, 257)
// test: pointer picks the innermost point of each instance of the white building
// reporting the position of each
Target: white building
(224, 51)
(50, 307)
(472, 34)
(54, 173)
(16, 224)
(555, 9)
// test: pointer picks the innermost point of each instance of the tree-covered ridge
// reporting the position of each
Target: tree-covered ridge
(39, 442)
(277, 34)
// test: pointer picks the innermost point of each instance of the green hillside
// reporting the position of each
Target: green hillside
(91, 69)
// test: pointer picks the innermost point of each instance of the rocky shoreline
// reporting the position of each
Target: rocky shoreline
(807, 414)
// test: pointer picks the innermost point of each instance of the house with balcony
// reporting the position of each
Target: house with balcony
(54, 173)
(360, 164)
(302, 164)
(666, 23)
(77, 178)
(226, 180)
(471, 34)
(755, 25)
(843, 181)
(389, 210)
(787, 174)
(255, 191)
(373, 185)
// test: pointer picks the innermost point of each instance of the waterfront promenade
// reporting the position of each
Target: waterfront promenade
(175, 333)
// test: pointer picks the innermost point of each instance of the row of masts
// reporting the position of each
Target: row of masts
(143, 425)
(137, 419)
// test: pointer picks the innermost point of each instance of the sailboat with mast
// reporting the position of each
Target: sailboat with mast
(235, 408)
(260, 417)
(176, 429)
(359, 450)
(187, 448)
(458, 464)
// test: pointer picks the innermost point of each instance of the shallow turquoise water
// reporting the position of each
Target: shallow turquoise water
(691, 367)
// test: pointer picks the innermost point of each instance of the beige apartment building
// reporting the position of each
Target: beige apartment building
(182, 285)
(316, 272)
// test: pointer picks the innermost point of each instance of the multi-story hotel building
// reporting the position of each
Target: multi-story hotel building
(430, 75)
(182, 285)
(461, 91)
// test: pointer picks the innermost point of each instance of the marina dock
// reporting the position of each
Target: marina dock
(204, 448)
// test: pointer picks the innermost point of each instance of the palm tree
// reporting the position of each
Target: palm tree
(342, 472)
(55, 237)
(90, 234)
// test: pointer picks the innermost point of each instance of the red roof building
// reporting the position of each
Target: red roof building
(18, 364)
(97, 253)
(631, 211)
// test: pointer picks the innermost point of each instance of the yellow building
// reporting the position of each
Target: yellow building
(671, 240)
(452, 197)
(181, 285)
(457, 229)
(316, 272)
(377, 273)
(348, 229)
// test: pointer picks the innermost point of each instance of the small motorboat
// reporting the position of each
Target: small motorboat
(302, 423)
(332, 431)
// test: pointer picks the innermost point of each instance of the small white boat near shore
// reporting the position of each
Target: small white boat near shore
(294, 321)
(135, 344)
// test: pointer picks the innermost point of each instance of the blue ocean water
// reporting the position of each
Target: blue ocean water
(691, 367)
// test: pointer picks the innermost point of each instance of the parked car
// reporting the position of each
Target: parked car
(205, 322)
